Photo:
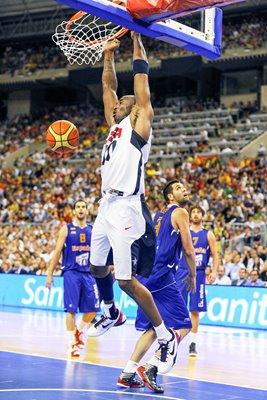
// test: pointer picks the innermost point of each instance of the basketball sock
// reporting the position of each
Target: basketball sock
(193, 337)
(153, 361)
(162, 332)
(130, 368)
(105, 287)
(70, 337)
(111, 310)
(82, 325)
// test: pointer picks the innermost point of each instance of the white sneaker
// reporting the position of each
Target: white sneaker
(105, 323)
(167, 352)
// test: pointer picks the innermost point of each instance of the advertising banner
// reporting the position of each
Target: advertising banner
(231, 306)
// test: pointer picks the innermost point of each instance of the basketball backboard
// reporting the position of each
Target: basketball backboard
(206, 42)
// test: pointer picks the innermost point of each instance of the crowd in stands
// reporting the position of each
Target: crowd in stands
(25, 129)
(36, 196)
(249, 34)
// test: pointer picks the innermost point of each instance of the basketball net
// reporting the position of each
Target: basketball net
(84, 36)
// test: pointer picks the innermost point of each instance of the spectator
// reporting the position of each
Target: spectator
(7, 268)
(258, 263)
(254, 279)
(255, 262)
(42, 268)
(233, 268)
(243, 275)
(263, 272)
(247, 237)
(211, 280)
(222, 278)
(257, 236)
(261, 150)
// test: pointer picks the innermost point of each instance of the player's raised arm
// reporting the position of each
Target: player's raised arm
(109, 81)
(142, 113)
(56, 255)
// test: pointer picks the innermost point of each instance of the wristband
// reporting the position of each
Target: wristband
(140, 67)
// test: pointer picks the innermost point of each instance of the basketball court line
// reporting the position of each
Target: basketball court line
(228, 357)
(45, 375)
(181, 379)
(92, 391)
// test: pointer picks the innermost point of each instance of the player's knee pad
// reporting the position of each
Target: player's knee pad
(99, 271)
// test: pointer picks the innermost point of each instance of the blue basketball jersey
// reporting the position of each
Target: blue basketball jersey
(202, 249)
(76, 251)
(168, 250)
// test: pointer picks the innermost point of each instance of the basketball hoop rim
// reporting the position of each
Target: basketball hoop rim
(79, 15)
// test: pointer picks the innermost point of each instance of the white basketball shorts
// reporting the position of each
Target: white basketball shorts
(122, 224)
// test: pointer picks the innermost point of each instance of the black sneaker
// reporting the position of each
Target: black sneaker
(148, 374)
(192, 350)
(129, 382)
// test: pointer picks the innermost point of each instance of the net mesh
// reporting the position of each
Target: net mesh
(83, 37)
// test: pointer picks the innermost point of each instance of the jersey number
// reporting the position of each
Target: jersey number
(110, 144)
(195, 240)
(157, 227)
(109, 148)
(82, 237)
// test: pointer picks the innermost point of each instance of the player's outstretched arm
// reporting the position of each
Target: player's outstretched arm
(142, 114)
(56, 255)
(109, 81)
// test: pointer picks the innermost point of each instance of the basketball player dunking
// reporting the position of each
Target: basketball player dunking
(123, 221)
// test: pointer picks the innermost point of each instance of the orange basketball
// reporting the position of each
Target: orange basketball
(62, 137)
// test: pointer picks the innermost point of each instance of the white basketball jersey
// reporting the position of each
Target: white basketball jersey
(123, 157)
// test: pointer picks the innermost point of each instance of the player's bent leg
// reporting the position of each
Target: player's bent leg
(143, 298)
(99, 271)
(143, 344)
(112, 316)
(128, 375)
(168, 344)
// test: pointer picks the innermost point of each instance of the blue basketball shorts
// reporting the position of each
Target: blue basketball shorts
(172, 309)
(80, 292)
(197, 301)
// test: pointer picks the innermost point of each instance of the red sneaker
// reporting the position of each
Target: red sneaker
(73, 351)
(79, 339)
